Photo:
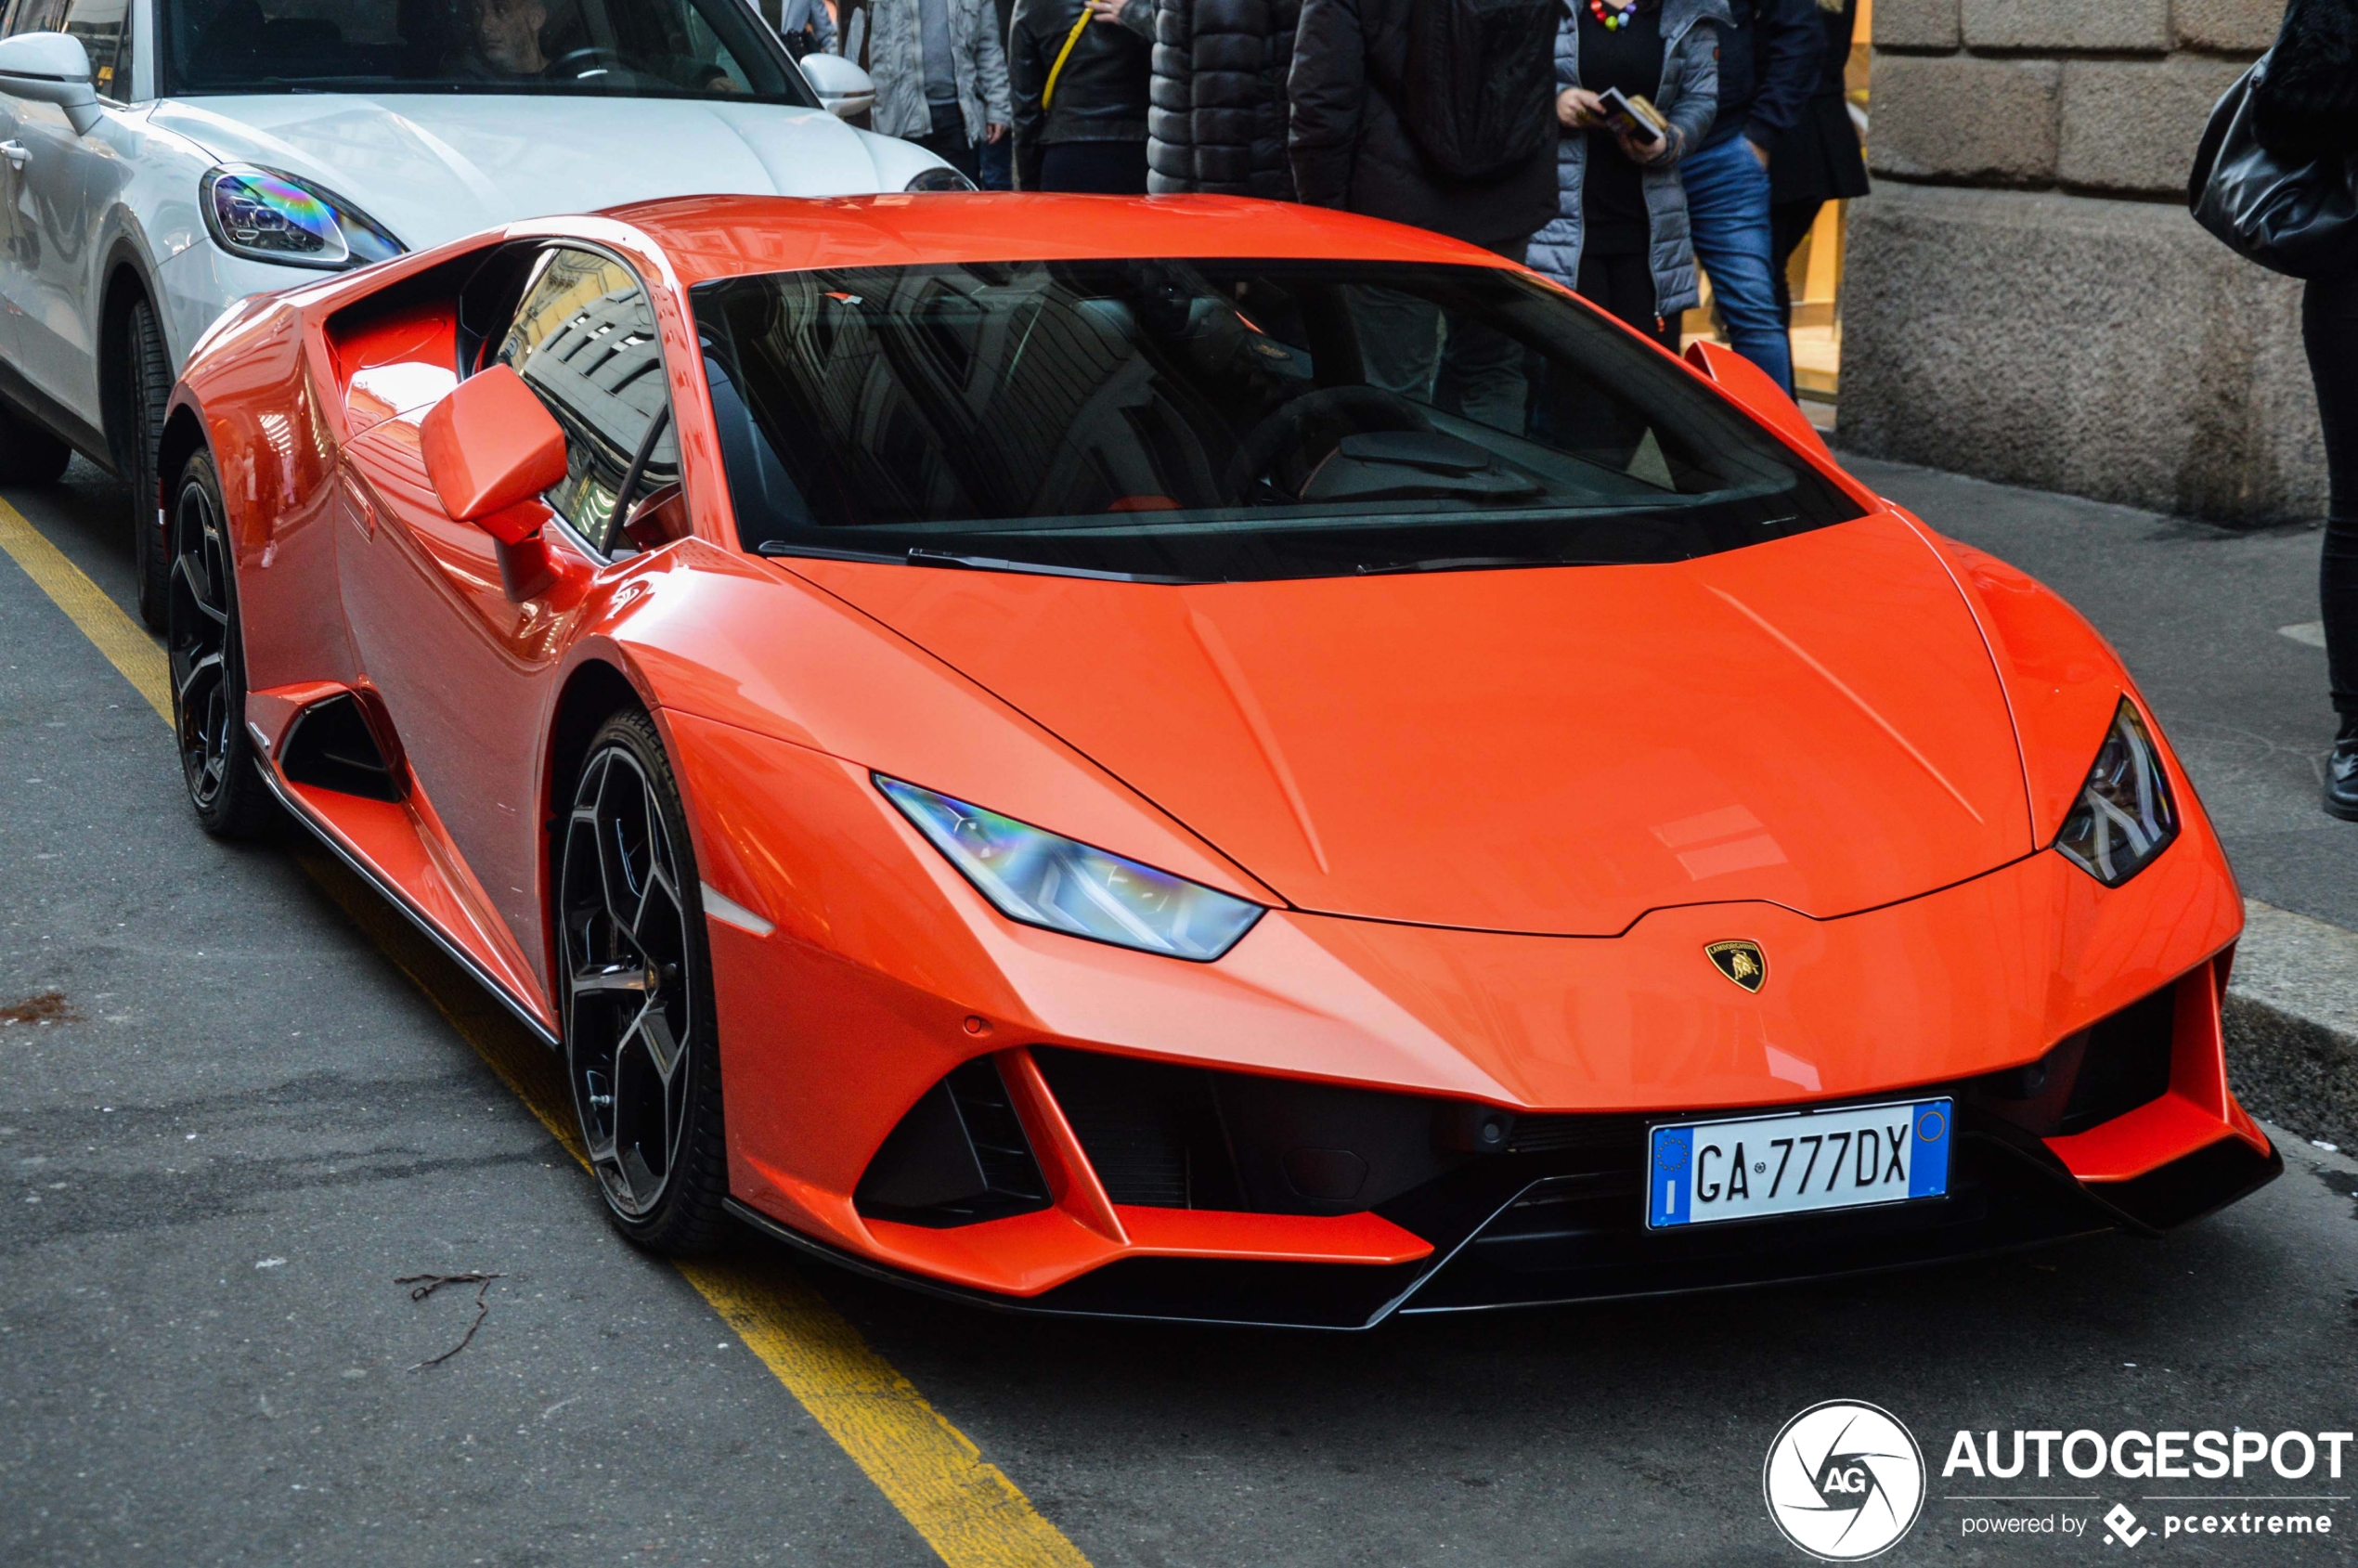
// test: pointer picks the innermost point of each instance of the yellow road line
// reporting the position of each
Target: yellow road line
(967, 1511)
(125, 643)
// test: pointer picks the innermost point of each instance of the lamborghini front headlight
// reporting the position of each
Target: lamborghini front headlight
(1044, 879)
(2124, 816)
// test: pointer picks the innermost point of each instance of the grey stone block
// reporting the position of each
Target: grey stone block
(2064, 24)
(1917, 24)
(1957, 117)
(2108, 349)
(2134, 124)
(2243, 26)
(2291, 1018)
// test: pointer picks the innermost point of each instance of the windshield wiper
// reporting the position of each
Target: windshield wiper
(775, 548)
(1475, 564)
(920, 557)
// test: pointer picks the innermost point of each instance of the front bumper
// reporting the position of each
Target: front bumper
(1543, 1231)
(1129, 1189)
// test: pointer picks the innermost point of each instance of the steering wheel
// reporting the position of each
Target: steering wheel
(1287, 446)
(575, 63)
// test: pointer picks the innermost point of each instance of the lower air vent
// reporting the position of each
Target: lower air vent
(1164, 1136)
(957, 1158)
(1151, 1130)
(331, 747)
(2106, 1070)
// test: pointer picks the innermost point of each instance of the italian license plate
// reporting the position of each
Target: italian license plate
(1700, 1172)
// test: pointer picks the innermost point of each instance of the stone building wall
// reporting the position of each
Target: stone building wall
(2025, 297)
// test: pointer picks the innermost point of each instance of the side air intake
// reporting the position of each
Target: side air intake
(332, 747)
(958, 1156)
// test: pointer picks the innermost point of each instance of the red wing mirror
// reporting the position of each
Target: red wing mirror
(491, 448)
(1764, 399)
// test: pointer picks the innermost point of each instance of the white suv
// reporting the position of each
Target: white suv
(160, 159)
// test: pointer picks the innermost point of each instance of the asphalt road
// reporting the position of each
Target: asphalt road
(254, 1119)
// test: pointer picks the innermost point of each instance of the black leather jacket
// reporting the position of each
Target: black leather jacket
(1101, 93)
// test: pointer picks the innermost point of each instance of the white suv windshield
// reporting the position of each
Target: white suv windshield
(631, 48)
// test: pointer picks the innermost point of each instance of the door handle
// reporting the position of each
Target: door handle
(17, 153)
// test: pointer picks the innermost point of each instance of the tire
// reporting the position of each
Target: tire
(147, 393)
(207, 651)
(29, 455)
(641, 1055)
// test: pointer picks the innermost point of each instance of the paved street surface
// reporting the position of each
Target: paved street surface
(256, 1112)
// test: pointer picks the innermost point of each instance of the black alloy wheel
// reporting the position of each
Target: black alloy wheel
(639, 1051)
(208, 664)
(29, 455)
(146, 393)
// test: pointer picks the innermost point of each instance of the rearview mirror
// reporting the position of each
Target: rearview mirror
(1764, 399)
(490, 449)
(51, 67)
(844, 89)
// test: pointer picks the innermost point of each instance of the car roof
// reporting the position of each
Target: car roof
(713, 237)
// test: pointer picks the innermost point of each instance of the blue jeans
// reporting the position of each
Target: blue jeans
(1728, 205)
(998, 159)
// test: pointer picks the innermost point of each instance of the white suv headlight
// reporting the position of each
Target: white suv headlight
(2125, 815)
(267, 216)
(1042, 879)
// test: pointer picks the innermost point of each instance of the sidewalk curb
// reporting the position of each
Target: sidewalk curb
(2291, 1024)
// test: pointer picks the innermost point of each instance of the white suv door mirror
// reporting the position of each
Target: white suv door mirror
(51, 67)
(842, 86)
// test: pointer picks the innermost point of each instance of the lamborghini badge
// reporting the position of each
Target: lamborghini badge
(1742, 962)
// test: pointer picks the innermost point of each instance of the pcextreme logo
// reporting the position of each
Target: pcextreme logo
(1844, 1480)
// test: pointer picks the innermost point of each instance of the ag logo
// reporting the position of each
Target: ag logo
(1845, 1480)
(1742, 962)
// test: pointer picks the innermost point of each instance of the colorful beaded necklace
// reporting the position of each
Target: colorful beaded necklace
(1612, 19)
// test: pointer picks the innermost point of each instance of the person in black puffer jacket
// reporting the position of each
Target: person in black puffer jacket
(1352, 147)
(2306, 108)
(1218, 106)
(1090, 133)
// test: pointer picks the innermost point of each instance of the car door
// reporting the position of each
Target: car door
(464, 670)
(20, 224)
(69, 183)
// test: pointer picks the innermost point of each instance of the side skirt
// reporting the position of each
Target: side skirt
(394, 896)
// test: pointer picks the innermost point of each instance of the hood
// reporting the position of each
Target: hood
(1813, 722)
(442, 166)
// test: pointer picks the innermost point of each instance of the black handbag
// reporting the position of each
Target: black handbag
(2298, 218)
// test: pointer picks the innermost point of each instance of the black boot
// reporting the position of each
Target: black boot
(2341, 772)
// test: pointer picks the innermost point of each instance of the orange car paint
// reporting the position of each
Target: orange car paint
(1851, 747)
(490, 447)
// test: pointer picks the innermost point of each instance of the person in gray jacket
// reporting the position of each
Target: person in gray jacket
(941, 73)
(1620, 237)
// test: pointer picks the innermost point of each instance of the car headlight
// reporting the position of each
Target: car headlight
(2125, 815)
(941, 177)
(1042, 879)
(264, 215)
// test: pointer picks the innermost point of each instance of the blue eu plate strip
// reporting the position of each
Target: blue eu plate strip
(1928, 1163)
(1673, 1152)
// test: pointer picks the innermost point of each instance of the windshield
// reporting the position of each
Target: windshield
(626, 49)
(1223, 420)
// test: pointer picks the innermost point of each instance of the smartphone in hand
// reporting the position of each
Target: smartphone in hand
(1634, 117)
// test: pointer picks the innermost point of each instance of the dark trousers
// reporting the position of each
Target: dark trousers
(1101, 168)
(1789, 225)
(2329, 330)
(950, 142)
(1623, 287)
